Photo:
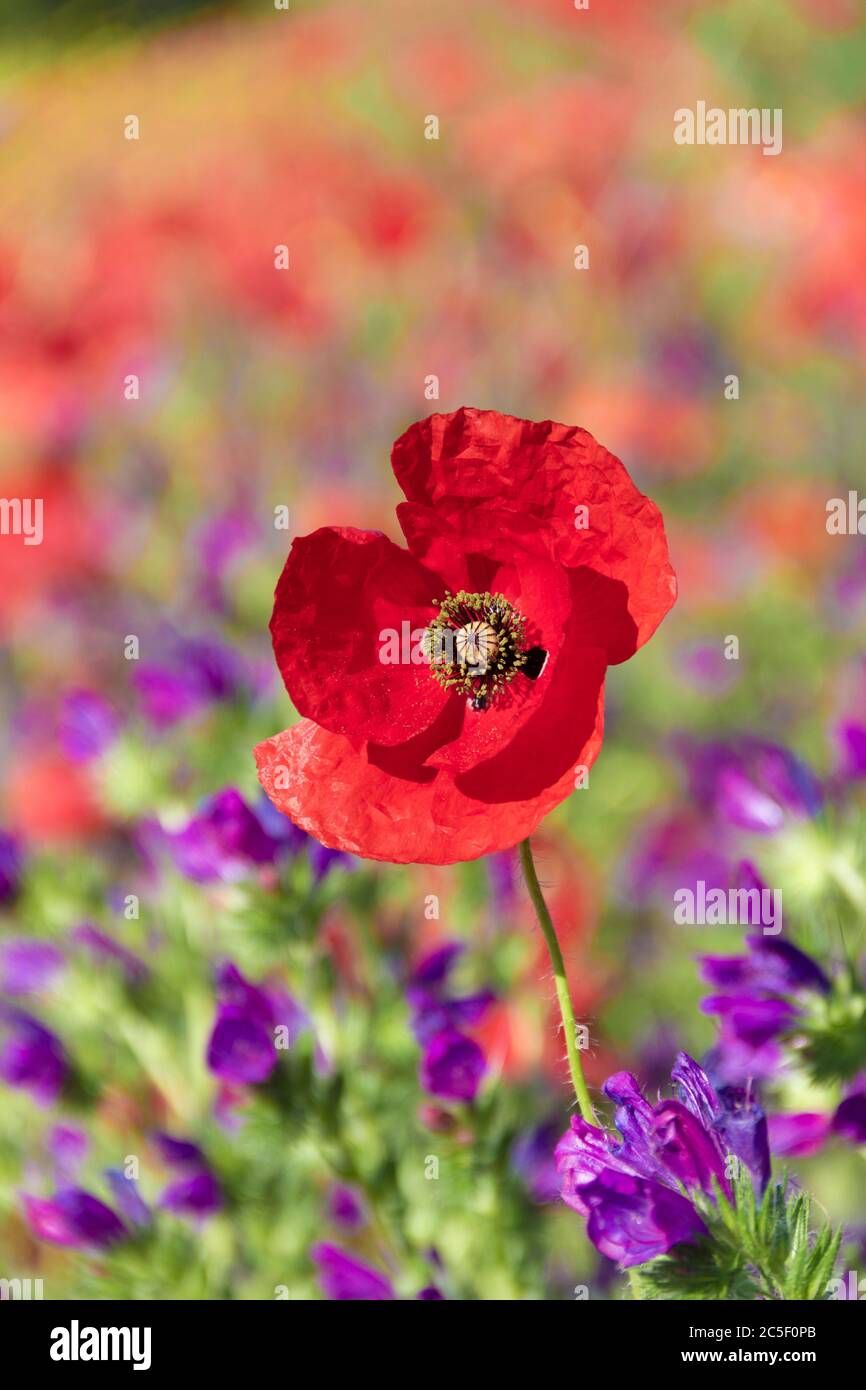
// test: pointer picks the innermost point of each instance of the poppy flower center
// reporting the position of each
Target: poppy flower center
(477, 645)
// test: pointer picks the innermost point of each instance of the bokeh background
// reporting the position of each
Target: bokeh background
(126, 885)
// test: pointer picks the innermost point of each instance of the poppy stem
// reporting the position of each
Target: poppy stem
(569, 1027)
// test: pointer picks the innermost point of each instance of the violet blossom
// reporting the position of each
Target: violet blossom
(630, 1188)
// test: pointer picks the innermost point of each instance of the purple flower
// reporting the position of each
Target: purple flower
(677, 852)
(178, 1153)
(196, 674)
(452, 1066)
(243, 1043)
(10, 868)
(28, 966)
(849, 1120)
(74, 1218)
(630, 1189)
(532, 1157)
(219, 543)
(295, 840)
(632, 1220)
(68, 1148)
(752, 784)
(225, 841)
(198, 1194)
(86, 725)
(433, 1010)
(752, 1005)
(126, 1194)
(797, 1136)
(31, 1057)
(345, 1207)
(851, 742)
(323, 860)
(343, 1277)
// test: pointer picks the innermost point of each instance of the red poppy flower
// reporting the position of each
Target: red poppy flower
(451, 691)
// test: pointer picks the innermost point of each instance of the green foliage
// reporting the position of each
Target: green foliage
(762, 1248)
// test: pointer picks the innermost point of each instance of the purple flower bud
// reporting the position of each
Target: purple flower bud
(197, 1195)
(10, 868)
(241, 1047)
(76, 1218)
(31, 1057)
(178, 1153)
(343, 1277)
(345, 1207)
(225, 841)
(750, 1019)
(452, 1066)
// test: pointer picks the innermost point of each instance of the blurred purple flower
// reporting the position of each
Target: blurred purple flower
(221, 540)
(452, 1066)
(752, 784)
(630, 1189)
(433, 1010)
(851, 742)
(68, 1148)
(243, 1045)
(533, 1158)
(197, 673)
(10, 868)
(753, 1007)
(126, 1195)
(74, 1218)
(849, 1121)
(343, 1277)
(705, 667)
(197, 1194)
(178, 1153)
(677, 852)
(296, 841)
(28, 966)
(32, 1058)
(224, 842)
(797, 1136)
(86, 725)
(345, 1207)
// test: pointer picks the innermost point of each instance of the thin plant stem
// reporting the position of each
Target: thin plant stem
(565, 1008)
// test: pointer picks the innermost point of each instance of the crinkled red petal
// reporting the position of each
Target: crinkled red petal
(471, 460)
(336, 793)
(340, 591)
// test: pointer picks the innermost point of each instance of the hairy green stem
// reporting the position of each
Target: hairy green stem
(568, 1024)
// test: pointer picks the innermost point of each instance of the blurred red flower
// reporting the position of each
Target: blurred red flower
(535, 562)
